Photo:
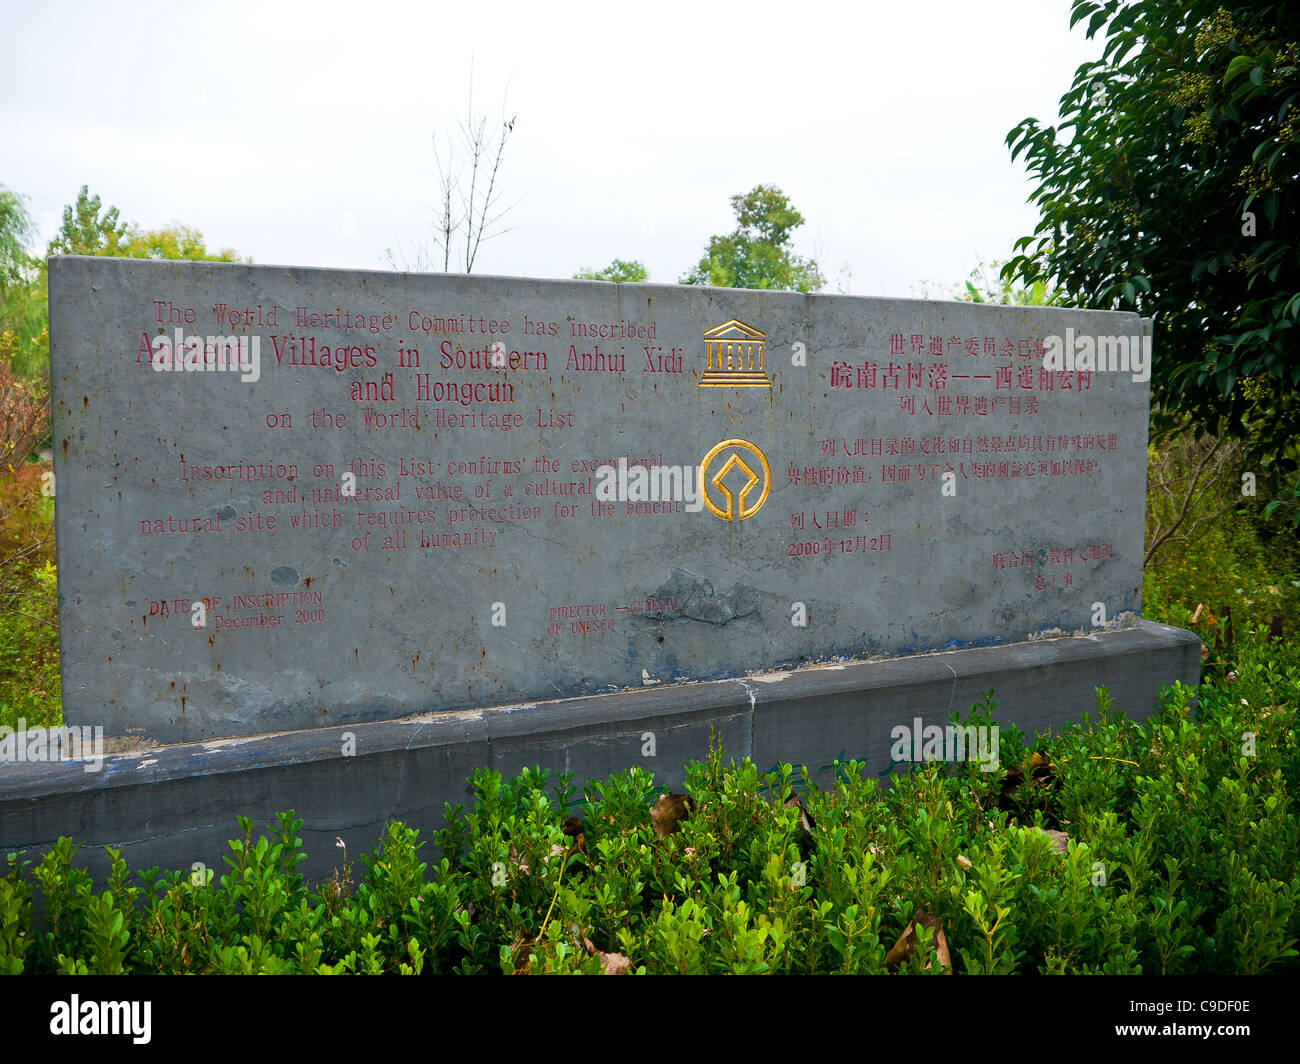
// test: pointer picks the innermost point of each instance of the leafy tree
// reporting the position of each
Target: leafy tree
(88, 228)
(22, 300)
(620, 270)
(1169, 188)
(85, 231)
(757, 254)
(24, 327)
(15, 234)
(173, 242)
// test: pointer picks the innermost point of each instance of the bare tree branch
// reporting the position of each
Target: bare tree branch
(485, 160)
(446, 221)
(468, 211)
(41, 620)
(1184, 504)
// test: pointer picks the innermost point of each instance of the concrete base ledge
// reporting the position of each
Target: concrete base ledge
(173, 806)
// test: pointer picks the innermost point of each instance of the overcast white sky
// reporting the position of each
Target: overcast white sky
(301, 133)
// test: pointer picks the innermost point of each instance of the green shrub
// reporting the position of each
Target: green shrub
(1168, 847)
(29, 636)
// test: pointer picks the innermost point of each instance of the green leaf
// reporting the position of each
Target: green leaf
(1238, 66)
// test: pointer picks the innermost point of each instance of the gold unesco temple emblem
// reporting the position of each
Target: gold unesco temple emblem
(737, 507)
(733, 357)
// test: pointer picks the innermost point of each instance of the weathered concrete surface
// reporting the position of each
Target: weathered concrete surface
(168, 482)
(175, 805)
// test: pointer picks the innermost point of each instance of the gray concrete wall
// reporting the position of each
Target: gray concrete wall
(175, 805)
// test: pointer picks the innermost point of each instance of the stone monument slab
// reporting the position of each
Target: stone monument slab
(293, 498)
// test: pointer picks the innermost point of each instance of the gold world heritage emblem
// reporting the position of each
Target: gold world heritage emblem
(727, 456)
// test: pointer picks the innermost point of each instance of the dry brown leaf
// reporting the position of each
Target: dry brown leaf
(906, 945)
(805, 821)
(1037, 773)
(573, 828)
(614, 964)
(610, 963)
(668, 812)
(519, 952)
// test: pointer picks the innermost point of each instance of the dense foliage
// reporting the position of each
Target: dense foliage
(1169, 188)
(758, 252)
(621, 271)
(29, 613)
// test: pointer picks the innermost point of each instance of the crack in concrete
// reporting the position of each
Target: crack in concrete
(753, 702)
(406, 750)
(517, 646)
(953, 693)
